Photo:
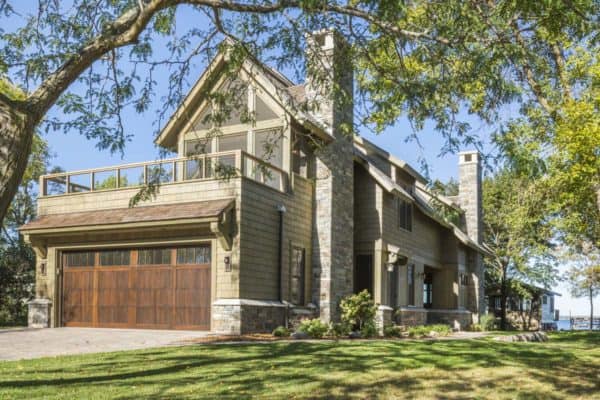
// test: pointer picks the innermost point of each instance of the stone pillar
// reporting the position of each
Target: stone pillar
(39, 312)
(383, 318)
(329, 94)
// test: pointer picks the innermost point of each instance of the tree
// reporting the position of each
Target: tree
(17, 260)
(421, 59)
(517, 233)
(584, 275)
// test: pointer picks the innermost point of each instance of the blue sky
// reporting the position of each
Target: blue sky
(72, 151)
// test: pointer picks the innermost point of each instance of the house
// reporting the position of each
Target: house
(527, 306)
(298, 225)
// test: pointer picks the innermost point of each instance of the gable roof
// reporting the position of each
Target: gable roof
(289, 96)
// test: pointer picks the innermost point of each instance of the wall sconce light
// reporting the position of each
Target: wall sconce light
(227, 261)
(390, 267)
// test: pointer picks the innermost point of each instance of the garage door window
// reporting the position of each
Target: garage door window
(114, 257)
(80, 259)
(154, 256)
(193, 255)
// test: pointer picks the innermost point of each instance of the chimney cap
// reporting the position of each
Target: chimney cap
(469, 156)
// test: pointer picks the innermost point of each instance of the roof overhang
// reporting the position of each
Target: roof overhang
(212, 213)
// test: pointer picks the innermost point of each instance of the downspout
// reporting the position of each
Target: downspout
(281, 210)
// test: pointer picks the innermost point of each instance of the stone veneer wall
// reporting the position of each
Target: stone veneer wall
(410, 316)
(333, 241)
(241, 316)
(458, 319)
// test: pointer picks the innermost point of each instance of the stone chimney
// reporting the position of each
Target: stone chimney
(329, 89)
(469, 196)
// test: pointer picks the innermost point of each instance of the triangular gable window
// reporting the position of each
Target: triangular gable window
(263, 111)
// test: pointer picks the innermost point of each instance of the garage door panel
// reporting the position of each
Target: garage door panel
(137, 296)
(78, 297)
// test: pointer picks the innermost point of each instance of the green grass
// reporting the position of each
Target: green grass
(566, 367)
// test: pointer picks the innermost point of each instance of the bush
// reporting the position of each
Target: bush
(338, 329)
(313, 328)
(425, 330)
(392, 331)
(281, 331)
(368, 330)
(358, 310)
(487, 322)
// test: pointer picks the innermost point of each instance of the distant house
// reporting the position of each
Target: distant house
(321, 216)
(527, 306)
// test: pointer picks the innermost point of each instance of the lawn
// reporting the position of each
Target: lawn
(566, 367)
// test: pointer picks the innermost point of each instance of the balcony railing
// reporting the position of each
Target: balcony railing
(224, 166)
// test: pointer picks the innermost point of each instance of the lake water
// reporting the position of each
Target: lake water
(565, 325)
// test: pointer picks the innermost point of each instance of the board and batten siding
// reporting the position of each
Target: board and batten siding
(259, 236)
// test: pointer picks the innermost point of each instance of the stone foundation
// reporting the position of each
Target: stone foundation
(298, 314)
(411, 316)
(38, 315)
(241, 316)
(458, 319)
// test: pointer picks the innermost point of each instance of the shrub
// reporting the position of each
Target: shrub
(313, 328)
(392, 331)
(337, 330)
(487, 322)
(368, 330)
(281, 331)
(425, 330)
(358, 310)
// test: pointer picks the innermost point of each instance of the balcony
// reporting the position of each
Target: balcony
(213, 166)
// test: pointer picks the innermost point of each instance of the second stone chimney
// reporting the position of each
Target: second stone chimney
(470, 192)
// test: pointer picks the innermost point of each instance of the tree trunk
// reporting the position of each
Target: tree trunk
(591, 308)
(503, 300)
(16, 136)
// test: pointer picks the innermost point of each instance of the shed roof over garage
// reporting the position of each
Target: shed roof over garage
(201, 211)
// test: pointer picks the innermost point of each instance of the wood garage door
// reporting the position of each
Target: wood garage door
(158, 288)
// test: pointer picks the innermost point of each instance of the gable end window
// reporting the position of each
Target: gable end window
(405, 214)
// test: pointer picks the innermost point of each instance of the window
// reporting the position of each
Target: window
(233, 105)
(464, 279)
(428, 290)
(297, 276)
(497, 302)
(268, 146)
(194, 169)
(198, 146)
(404, 214)
(551, 303)
(154, 256)
(411, 284)
(232, 142)
(193, 255)
(114, 257)
(544, 299)
(79, 259)
(204, 120)
(393, 287)
(263, 112)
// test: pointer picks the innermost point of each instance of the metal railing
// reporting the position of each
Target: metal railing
(212, 166)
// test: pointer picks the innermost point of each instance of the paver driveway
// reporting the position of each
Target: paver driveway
(16, 344)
